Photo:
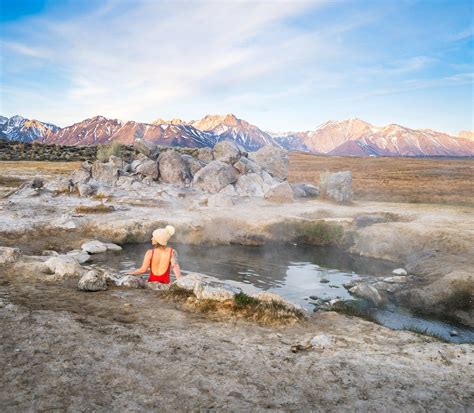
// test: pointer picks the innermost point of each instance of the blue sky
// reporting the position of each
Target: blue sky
(282, 65)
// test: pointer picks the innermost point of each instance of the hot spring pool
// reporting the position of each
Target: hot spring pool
(296, 272)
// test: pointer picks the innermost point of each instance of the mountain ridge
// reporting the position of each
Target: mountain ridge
(349, 137)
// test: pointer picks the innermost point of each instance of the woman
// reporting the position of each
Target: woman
(161, 258)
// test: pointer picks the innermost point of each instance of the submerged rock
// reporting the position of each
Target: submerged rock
(92, 281)
(215, 176)
(113, 247)
(79, 255)
(337, 186)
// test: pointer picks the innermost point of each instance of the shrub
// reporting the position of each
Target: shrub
(105, 151)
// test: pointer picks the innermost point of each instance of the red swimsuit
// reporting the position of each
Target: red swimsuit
(163, 278)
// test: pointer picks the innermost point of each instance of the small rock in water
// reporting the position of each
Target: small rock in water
(399, 271)
(94, 247)
(454, 333)
(323, 280)
(321, 340)
(113, 247)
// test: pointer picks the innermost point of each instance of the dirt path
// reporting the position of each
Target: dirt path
(127, 350)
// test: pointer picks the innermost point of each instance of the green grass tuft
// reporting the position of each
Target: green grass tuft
(105, 151)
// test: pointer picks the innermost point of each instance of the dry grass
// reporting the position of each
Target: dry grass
(439, 181)
(94, 209)
(241, 307)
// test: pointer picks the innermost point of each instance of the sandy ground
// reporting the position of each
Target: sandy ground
(127, 350)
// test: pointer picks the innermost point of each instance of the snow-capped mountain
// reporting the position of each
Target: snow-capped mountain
(359, 138)
(100, 130)
(348, 137)
(232, 128)
(467, 134)
(18, 128)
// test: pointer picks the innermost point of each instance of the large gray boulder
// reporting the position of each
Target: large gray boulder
(85, 189)
(336, 186)
(94, 247)
(303, 190)
(147, 148)
(280, 193)
(148, 168)
(215, 176)
(92, 281)
(173, 168)
(81, 175)
(226, 151)
(105, 172)
(274, 160)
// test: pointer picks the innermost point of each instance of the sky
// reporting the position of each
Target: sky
(281, 65)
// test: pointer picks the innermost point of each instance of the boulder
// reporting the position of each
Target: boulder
(193, 164)
(105, 172)
(274, 160)
(280, 193)
(147, 148)
(228, 190)
(63, 266)
(92, 281)
(9, 255)
(370, 293)
(226, 151)
(94, 247)
(398, 279)
(60, 185)
(245, 165)
(148, 168)
(205, 154)
(173, 168)
(220, 200)
(336, 186)
(249, 185)
(85, 189)
(215, 176)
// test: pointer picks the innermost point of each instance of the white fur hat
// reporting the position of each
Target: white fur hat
(162, 235)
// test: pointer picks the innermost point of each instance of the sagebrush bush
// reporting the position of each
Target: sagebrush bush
(105, 151)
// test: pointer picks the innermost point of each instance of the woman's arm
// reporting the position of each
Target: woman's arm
(144, 268)
(175, 264)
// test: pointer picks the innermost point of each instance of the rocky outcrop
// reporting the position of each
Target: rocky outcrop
(215, 176)
(63, 267)
(105, 172)
(337, 186)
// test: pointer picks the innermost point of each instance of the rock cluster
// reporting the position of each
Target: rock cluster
(225, 171)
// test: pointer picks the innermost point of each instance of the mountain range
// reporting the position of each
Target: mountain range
(351, 137)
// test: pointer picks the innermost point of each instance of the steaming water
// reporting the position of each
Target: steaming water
(295, 272)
